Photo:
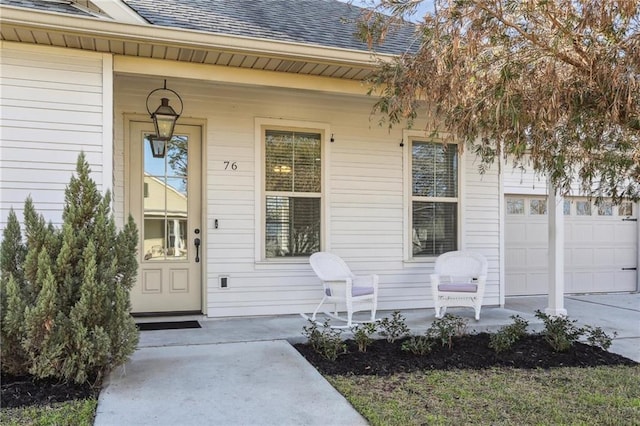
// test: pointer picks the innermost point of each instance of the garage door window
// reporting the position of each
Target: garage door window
(537, 207)
(583, 208)
(515, 206)
(625, 209)
(605, 209)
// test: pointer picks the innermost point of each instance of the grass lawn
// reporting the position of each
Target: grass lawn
(72, 413)
(598, 395)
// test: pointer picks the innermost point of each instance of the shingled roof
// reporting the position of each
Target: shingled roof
(329, 23)
(47, 6)
(318, 22)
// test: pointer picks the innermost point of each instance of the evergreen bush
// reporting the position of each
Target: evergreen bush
(65, 292)
(507, 336)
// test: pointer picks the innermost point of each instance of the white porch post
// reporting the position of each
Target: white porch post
(555, 206)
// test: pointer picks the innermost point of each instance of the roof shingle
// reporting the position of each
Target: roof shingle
(328, 23)
(318, 22)
(47, 6)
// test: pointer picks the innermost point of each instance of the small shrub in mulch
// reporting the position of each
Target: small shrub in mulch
(470, 351)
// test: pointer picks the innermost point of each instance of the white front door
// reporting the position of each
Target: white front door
(165, 202)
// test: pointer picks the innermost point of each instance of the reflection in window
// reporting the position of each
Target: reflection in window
(605, 208)
(293, 166)
(435, 228)
(292, 226)
(625, 209)
(566, 208)
(515, 206)
(583, 208)
(434, 209)
(165, 202)
(537, 207)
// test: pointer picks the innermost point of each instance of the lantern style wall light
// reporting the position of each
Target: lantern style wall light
(164, 120)
(158, 146)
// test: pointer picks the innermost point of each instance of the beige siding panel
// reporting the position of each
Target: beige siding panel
(364, 192)
(52, 108)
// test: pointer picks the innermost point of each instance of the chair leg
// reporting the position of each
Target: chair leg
(374, 308)
(313, 317)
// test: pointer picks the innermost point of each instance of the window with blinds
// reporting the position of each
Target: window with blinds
(434, 198)
(293, 193)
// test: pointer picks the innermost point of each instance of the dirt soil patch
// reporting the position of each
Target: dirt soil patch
(22, 391)
(470, 352)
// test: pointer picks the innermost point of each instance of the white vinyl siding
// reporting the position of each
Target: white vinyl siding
(55, 103)
(364, 205)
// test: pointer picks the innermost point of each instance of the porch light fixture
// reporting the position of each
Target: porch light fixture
(158, 146)
(165, 117)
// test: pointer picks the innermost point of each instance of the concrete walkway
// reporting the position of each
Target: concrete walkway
(244, 371)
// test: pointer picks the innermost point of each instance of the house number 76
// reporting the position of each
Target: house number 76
(230, 165)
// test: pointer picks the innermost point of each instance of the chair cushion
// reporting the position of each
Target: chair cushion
(361, 291)
(464, 288)
(355, 291)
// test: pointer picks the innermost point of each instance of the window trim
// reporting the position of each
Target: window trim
(408, 138)
(260, 128)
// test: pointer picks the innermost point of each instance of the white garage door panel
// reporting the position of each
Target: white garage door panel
(597, 248)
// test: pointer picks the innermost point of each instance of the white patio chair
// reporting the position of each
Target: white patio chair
(459, 280)
(341, 286)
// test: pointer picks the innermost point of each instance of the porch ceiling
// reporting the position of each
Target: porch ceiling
(145, 41)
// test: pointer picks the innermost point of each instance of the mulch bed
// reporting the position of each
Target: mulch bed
(470, 352)
(382, 358)
(21, 391)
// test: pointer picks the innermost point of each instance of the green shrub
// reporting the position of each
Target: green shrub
(559, 331)
(394, 328)
(362, 335)
(446, 328)
(65, 292)
(326, 342)
(418, 345)
(597, 337)
(507, 336)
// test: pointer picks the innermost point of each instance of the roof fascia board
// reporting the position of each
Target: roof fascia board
(120, 11)
(89, 27)
(223, 74)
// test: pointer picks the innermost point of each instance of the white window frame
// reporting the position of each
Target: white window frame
(261, 126)
(409, 137)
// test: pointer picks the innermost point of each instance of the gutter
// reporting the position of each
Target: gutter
(177, 37)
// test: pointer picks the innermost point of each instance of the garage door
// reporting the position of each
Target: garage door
(601, 246)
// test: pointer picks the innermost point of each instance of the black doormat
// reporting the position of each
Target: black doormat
(167, 325)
